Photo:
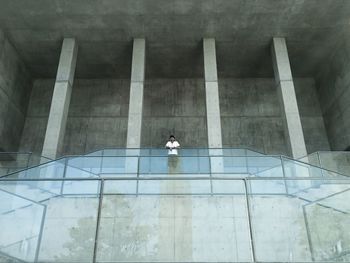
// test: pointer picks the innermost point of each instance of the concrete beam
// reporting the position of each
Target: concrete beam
(56, 125)
(212, 94)
(136, 94)
(288, 101)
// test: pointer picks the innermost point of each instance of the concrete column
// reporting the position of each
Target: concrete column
(136, 94)
(286, 92)
(56, 125)
(212, 106)
(212, 94)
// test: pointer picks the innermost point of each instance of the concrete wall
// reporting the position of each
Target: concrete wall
(251, 115)
(174, 106)
(334, 95)
(15, 86)
(97, 115)
(250, 111)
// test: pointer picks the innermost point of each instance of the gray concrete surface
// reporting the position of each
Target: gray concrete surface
(174, 29)
(57, 120)
(212, 94)
(334, 94)
(15, 88)
(133, 137)
(174, 106)
(316, 33)
(288, 101)
(250, 114)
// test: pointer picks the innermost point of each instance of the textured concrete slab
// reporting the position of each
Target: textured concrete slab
(174, 29)
(334, 95)
(133, 138)
(59, 108)
(288, 101)
(250, 111)
(15, 87)
(212, 94)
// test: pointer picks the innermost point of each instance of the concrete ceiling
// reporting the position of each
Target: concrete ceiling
(174, 29)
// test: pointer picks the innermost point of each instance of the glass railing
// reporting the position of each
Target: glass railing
(183, 151)
(11, 161)
(175, 219)
(21, 220)
(15, 161)
(141, 166)
(331, 160)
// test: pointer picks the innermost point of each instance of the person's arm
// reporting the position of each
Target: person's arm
(177, 145)
(167, 146)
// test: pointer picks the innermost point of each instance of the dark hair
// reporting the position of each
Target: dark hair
(171, 136)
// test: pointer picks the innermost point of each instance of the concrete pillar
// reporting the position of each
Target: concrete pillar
(212, 106)
(56, 125)
(136, 94)
(286, 92)
(212, 94)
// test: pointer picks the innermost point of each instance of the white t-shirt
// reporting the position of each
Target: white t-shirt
(172, 145)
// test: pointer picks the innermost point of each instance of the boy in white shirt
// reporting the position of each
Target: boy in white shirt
(173, 161)
(172, 145)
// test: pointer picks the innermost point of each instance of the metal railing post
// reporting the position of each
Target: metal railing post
(251, 239)
(64, 175)
(319, 162)
(37, 251)
(102, 182)
(101, 163)
(284, 175)
(137, 175)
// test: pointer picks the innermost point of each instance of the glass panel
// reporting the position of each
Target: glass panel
(97, 153)
(279, 230)
(234, 152)
(70, 223)
(21, 220)
(311, 159)
(174, 228)
(254, 153)
(68, 231)
(265, 166)
(33, 190)
(119, 165)
(158, 152)
(85, 164)
(294, 168)
(310, 224)
(174, 165)
(327, 215)
(54, 169)
(11, 162)
(231, 164)
(336, 161)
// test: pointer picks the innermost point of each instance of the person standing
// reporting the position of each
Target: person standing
(173, 161)
(172, 145)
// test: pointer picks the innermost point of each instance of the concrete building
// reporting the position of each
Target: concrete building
(78, 76)
(248, 107)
